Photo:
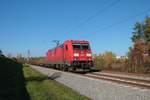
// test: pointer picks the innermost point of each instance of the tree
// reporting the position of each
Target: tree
(1, 53)
(129, 52)
(142, 31)
(137, 53)
(109, 58)
(138, 32)
(105, 60)
(147, 33)
(99, 61)
(141, 40)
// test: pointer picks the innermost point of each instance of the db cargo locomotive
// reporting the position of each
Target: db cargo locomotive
(74, 55)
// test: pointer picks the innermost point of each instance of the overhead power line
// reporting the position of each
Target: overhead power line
(125, 20)
(96, 14)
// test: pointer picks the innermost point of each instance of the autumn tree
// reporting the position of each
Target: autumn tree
(147, 33)
(137, 53)
(109, 58)
(99, 61)
(105, 60)
(141, 40)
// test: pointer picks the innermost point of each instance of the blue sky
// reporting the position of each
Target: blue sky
(33, 24)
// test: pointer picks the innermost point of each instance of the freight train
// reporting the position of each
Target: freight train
(72, 55)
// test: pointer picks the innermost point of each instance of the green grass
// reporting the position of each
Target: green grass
(41, 88)
(19, 82)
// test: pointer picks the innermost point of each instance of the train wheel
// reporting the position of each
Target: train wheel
(65, 68)
(69, 69)
(72, 69)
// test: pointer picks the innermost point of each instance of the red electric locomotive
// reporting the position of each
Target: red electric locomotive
(71, 55)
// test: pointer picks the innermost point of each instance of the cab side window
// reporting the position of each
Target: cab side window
(66, 47)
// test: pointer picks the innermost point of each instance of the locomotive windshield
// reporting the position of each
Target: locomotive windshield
(76, 46)
(85, 47)
(81, 46)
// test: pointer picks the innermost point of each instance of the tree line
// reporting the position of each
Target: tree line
(138, 57)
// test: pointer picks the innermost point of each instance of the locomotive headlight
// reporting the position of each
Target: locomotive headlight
(88, 54)
(76, 55)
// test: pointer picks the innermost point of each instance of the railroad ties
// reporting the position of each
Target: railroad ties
(127, 80)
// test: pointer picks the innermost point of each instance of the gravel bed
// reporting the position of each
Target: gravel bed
(96, 89)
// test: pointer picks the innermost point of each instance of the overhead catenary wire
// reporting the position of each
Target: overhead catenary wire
(124, 20)
(95, 14)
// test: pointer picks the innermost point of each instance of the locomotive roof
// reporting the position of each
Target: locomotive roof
(77, 41)
(56, 47)
(73, 41)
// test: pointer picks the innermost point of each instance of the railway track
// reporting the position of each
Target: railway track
(141, 83)
(132, 81)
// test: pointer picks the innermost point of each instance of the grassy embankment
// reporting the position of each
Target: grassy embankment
(12, 81)
(20, 82)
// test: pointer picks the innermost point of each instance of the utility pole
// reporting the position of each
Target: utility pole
(28, 55)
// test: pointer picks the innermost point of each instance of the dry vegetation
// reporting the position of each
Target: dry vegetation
(137, 59)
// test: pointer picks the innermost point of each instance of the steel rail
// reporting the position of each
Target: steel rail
(121, 80)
